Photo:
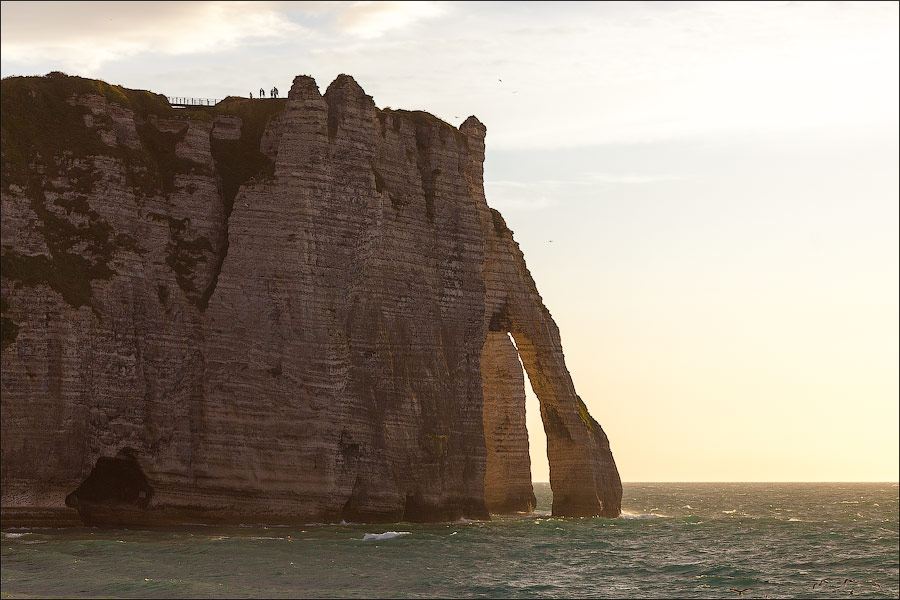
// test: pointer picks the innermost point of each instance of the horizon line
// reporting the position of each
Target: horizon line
(754, 481)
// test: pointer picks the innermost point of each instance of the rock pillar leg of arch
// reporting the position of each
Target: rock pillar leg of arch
(507, 479)
(583, 474)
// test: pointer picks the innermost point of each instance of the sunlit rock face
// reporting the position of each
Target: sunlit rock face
(507, 478)
(268, 311)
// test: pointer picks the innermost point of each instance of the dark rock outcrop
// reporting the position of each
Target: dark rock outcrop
(269, 310)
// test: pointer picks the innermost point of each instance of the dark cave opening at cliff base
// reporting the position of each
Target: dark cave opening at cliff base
(507, 480)
(115, 483)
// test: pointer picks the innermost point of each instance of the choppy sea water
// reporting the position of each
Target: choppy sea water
(674, 540)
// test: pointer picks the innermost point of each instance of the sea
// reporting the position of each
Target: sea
(673, 540)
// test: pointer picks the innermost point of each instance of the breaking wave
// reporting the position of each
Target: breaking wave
(628, 515)
(387, 535)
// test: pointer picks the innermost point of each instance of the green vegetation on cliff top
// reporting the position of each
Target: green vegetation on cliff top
(48, 144)
(38, 121)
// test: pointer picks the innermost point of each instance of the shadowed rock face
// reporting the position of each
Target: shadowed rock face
(279, 310)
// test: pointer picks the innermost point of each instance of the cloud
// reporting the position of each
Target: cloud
(374, 19)
(591, 179)
(85, 35)
(573, 74)
(628, 179)
(544, 193)
(584, 74)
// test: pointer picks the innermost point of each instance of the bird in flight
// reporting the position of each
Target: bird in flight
(500, 80)
(740, 592)
(820, 583)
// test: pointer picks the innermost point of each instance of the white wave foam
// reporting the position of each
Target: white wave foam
(13, 535)
(387, 535)
(628, 515)
(463, 520)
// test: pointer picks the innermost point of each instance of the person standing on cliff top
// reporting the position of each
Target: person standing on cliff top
(274, 92)
(262, 93)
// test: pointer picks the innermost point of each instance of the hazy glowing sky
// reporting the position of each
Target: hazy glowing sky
(720, 182)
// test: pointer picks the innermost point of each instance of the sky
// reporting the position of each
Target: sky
(705, 193)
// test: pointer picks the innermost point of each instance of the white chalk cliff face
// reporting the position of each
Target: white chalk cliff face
(275, 310)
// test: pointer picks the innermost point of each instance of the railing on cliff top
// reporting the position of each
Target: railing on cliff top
(183, 102)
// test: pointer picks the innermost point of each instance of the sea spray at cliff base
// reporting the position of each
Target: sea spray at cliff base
(698, 552)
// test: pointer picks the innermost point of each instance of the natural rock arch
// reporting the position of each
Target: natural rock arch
(507, 484)
(583, 474)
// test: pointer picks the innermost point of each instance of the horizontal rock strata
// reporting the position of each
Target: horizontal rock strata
(268, 311)
(507, 479)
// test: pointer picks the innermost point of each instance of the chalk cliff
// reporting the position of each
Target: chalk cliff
(268, 311)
